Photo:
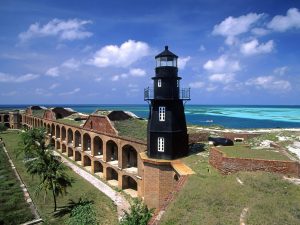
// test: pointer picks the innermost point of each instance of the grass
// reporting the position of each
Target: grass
(13, 207)
(70, 122)
(133, 128)
(38, 113)
(104, 207)
(211, 198)
(243, 151)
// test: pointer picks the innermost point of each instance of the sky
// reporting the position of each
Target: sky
(102, 52)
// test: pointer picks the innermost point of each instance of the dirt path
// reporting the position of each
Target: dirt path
(117, 198)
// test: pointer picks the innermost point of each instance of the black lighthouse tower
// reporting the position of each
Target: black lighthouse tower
(167, 132)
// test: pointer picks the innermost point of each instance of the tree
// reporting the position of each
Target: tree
(34, 142)
(139, 214)
(52, 175)
(47, 166)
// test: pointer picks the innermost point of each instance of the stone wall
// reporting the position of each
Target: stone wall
(227, 165)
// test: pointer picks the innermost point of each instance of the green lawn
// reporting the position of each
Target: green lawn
(105, 209)
(13, 208)
(38, 113)
(246, 152)
(70, 122)
(210, 198)
(134, 128)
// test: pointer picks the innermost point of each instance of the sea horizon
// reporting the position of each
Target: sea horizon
(227, 116)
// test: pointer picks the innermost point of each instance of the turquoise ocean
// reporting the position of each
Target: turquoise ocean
(229, 116)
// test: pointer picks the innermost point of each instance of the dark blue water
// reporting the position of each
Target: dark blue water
(229, 116)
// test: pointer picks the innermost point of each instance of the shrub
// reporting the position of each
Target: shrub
(139, 214)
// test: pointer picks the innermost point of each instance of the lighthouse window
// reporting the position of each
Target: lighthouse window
(159, 83)
(161, 144)
(162, 113)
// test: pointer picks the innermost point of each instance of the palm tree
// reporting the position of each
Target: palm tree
(30, 138)
(52, 175)
(46, 165)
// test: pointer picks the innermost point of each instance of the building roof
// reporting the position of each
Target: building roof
(166, 53)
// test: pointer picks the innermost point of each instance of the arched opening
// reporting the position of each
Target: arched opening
(129, 186)
(49, 129)
(112, 176)
(52, 130)
(63, 148)
(87, 162)
(112, 153)
(58, 145)
(70, 152)
(98, 169)
(63, 133)
(77, 139)
(6, 118)
(129, 159)
(45, 125)
(57, 131)
(70, 137)
(98, 147)
(77, 157)
(52, 143)
(87, 143)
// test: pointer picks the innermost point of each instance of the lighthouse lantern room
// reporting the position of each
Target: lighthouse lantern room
(167, 132)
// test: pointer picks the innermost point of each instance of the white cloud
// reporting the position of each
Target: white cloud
(233, 26)
(71, 92)
(53, 72)
(183, 61)
(221, 65)
(198, 84)
(202, 48)
(6, 78)
(281, 70)
(211, 88)
(53, 86)
(40, 91)
(11, 93)
(269, 83)
(98, 79)
(222, 78)
(71, 29)
(137, 72)
(119, 76)
(115, 78)
(132, 85)
(260, 31)
(71, 64)
(123, 56)
(254, 47)
(283, 23)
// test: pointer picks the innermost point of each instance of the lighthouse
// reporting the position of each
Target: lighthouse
(167, 133)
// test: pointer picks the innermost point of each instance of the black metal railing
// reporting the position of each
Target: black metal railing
(184, 94)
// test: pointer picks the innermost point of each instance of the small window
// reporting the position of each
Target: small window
(178, 83)
(159, 83)
(161, 144)
(162, 113)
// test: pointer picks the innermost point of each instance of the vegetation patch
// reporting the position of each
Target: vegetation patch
(13, 207)
(71, 122)
(242, 151)
(133, 128)
(38, 113)
(211, 198)
(104, 208)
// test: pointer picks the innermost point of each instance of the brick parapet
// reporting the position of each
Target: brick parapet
(227, 165)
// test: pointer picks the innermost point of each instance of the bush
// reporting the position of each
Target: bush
(2, 127)
(139, 214)
(83, 213)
